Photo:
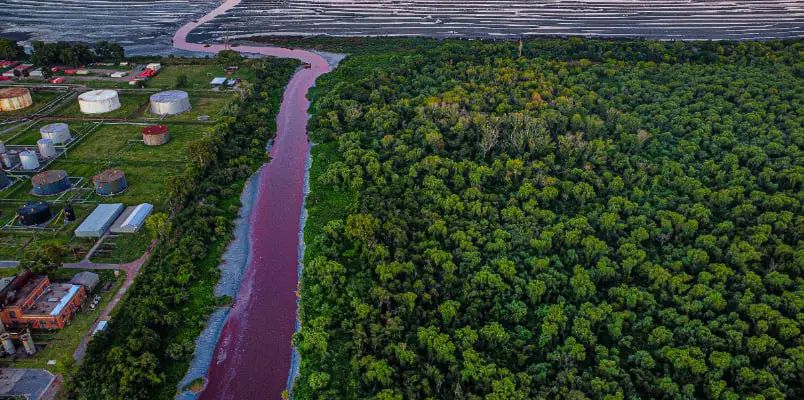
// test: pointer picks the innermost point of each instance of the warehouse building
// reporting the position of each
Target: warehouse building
(87, 279)
(99, 101)
(132, 219)
(99, 221)
(15, 98)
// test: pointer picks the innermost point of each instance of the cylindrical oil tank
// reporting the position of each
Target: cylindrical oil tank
(59, 132)
(98, 101)
(110, 182)
(15, 98)
(46, 148)
(29, 160)
(2, 147)
(10, 158)
(28, 343)
(4, 181)
(34, 213)
(170, 102)
(8, 344)
(50, 182)
(155, 135)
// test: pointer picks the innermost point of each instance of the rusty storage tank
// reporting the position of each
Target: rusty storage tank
(4, 181)
(110, 182)
(59, 132)
(15, 98)
(155, 135)
(99, 101)
(29, 160)
(46, 148)
(170, 102)
(50, 182)
(34, 213)
(10, 159)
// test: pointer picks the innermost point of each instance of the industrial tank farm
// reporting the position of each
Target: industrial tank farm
(49, 183)
(59, 133)
(15, 98)
(155, 135)
(34, 213)
(110, 182)
(99, 101)
(170, 102)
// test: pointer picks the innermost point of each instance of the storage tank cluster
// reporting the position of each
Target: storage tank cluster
(34, 213)
(46, 148)
(58, 133)
(170, 102)
(50, 182)
(110, 182)
(29, 160)
(155, 135)
(99, 101)
(15, 98)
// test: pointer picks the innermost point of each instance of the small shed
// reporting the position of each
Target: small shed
(89, 280)
(99, 221)
(132, 219)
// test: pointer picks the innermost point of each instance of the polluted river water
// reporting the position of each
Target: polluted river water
(252, 358)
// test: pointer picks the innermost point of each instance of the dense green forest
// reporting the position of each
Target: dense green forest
(593, 219)
(151, 339)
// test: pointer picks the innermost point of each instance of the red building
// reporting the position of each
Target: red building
(33, 301)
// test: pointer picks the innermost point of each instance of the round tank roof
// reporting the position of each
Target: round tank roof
(155, 130)
(33, 207)
(169, 96)
(44, 141)
(110, 175)
(10, 93)
(98, 95)
(55, 127)
(49, 177)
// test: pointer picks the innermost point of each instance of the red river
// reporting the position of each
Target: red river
(252, 358)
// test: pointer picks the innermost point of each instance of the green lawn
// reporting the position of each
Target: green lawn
(123, 248)
(209, 103)
(114, 142)
(198, 76)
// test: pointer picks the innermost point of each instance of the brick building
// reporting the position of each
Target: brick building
(33, 301)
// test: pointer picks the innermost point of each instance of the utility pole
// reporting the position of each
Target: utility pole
(520, 47)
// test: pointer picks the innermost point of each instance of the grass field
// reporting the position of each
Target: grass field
(198, 76)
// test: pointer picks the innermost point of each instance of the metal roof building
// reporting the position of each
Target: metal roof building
(132, 219)
(99, 221)
(86, 279)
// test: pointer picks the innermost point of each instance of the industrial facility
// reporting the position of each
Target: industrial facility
(99, 221)
(34, 213)
(49, 183)
(59, 133)
(99, 101)
(170, 102)
(10, 158)
(155, 135)
(110, 182)
(15, 98)
(29, 160)
(32, 301)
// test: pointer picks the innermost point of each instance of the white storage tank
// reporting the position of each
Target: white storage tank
(46, 148)
(15, 98)
(171, 102)
(59, 133)
(99, 101)
(2, 147)
(29, 160)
